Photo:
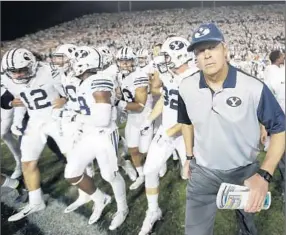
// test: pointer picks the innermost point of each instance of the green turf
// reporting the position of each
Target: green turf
(171, 200)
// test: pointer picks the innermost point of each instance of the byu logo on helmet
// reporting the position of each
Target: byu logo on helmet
(176, 45)
(233, 101)
(203, 31)
(26, 56)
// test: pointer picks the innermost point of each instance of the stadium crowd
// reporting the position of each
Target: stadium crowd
(242, 27)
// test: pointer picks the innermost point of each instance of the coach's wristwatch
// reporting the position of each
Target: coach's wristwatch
(265, 174)
(190, 157)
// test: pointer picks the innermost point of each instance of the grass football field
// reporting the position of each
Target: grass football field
(171, 201)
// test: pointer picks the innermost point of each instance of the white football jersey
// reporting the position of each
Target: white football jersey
(171, 94)
(86, 100)
(39, 93)
(70, 85)
(128, 85)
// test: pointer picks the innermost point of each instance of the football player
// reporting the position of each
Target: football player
(144, 61)
(111, 69)
(137, 101)
(61, 60)
(7, 119)
(97, 138)
(39, 89)
(174, 65)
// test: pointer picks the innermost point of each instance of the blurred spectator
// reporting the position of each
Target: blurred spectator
(252, 31)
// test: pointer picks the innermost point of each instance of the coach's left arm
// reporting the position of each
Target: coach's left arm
(271, 116)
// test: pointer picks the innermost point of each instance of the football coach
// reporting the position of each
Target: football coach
(221, 108)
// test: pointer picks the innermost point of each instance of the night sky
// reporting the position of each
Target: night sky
(20, 18)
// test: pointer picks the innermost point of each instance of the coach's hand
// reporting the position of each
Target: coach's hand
(186, 170)
(258, 189)
(263, 135)
(59, 103)
(17, 103)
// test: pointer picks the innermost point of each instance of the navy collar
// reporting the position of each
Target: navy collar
(229, 82)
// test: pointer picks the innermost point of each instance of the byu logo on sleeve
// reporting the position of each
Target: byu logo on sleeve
(202, 32)
(233, 101)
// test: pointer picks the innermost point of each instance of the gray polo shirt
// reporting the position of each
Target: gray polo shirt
(226, 122)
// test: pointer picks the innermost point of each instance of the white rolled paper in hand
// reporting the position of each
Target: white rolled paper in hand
(234, 197)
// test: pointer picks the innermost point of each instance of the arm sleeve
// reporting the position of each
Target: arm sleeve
(183, 116)
(141, 81)
(269, 112)
(6, 98)
(102, 85)
(19, 114)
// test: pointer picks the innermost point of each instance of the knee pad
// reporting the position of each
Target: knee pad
(108, 176)
(72, 171)
(152, 180)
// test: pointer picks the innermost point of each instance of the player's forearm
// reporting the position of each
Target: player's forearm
(139, 102)
(156, 84)
(19, 114)
(156, 87)
(134, 106)
(174, 129)
(275, 152)
(157, 110)
(155, 91)
(188, 135)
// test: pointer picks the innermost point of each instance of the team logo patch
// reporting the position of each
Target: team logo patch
(233, 101)
(203, 31)
(176, 45)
